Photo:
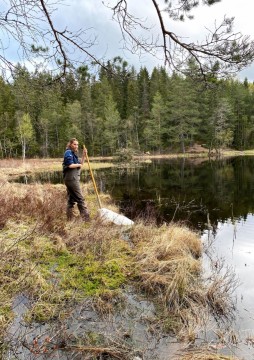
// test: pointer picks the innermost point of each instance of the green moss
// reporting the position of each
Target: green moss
(42, 249)
(42, 312)
(79, 272)
(94, 338)
(90, 276)
(70, 277)
(6, 314)
(55, 276)
(113, 275)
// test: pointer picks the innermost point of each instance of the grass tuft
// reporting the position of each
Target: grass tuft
(169, 262)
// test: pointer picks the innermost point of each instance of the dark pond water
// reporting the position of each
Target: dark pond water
(196, 192)
(185, 190)
(215, 197)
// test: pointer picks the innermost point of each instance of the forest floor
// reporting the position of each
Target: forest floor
(96, 290)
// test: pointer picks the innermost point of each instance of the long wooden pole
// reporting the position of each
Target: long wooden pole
(94, 183)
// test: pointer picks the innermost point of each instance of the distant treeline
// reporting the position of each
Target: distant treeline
(121, 108)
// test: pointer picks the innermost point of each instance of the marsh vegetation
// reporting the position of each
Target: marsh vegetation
(65, 285)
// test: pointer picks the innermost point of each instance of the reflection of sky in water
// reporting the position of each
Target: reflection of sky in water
(235, 244)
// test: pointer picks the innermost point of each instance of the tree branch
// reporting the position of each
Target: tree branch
(31, 24)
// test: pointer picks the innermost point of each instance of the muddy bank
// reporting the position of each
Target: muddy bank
(132, 331)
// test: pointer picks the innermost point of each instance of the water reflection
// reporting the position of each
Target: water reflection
(187, 191)
(200, 193)
(233, 244)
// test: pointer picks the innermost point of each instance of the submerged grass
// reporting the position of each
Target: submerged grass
(201, 355)
(56, 263)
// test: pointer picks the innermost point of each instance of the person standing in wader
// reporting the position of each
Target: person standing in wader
(71, 170)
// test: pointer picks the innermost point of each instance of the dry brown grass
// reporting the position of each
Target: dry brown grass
(164, 261)
(169, 263)
(169, 269)
(43, 203)
(15, 167)
(205, 356)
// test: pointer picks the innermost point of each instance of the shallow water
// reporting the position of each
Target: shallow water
(233, 245)
(133, 327)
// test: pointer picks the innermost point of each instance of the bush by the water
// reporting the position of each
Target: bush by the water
(124, 155)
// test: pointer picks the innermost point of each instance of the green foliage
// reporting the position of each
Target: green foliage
(155, 125)
(156, 112)
(223, 133)
(183, 113)
(39, 49)
(25, 130)
(124, 155)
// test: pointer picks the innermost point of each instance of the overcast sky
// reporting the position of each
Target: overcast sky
(97, 19)
(95, 16)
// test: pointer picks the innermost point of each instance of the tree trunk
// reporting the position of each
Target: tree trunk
(23, 149)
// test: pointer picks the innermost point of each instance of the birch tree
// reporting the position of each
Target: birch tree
(24, 131)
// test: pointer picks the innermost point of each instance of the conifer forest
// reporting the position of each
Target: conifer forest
(119, 107)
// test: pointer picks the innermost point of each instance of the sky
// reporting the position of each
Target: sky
(96, 18)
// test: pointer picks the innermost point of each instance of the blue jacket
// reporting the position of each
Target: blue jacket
(69, 158)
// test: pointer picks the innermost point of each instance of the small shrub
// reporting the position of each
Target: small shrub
(124, 155)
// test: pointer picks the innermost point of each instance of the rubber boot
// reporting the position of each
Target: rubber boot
(84, 212)
(69, 213)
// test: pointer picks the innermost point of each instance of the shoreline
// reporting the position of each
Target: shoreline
(56, 264)
(10, 168)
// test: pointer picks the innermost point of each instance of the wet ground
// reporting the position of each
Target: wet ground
(133, 329)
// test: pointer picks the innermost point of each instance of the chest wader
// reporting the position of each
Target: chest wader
(72, 182)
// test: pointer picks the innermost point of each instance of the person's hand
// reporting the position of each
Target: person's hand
(84, 151)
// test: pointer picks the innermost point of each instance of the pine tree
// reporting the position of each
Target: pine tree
(183, 113)
(222, 125)
(106, 118)
(155, 126)
(7, 120)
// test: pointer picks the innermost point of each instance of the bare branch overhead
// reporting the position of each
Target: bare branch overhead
(32, 26)
(222, 51)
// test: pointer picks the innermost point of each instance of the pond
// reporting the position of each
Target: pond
(215, 197)
(197, 192)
